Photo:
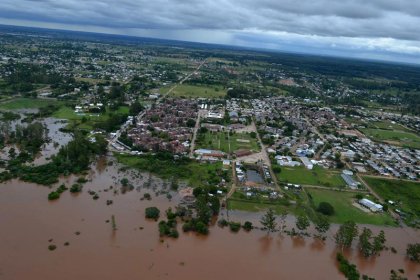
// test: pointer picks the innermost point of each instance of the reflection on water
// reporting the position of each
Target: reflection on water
(135, 251)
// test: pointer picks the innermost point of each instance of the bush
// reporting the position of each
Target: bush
(152, 213)
(222, 223)
(52, 247)
(325, 208)
(75, 188)
(201, 228)
(53, 196)
(248, 226)
(235, 227)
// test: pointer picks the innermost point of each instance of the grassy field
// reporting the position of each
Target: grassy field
(192, 91)
(86, 121)
(193, 172)
(27, 103)
(261, 206)
(387, 125)
(345, 211)
(396, 137)
(225, 143)
(406, 194)
(318, 176)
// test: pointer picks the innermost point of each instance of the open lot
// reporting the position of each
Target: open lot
(396, 137)
(345, 210)
(405, 194)
(227, 143)
(192, 91)
(318, 176)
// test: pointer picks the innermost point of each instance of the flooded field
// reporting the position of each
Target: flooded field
(29, 223)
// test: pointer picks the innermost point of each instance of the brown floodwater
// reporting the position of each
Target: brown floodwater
(28, 221)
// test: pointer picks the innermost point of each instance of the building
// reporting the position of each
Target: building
(353, 184)
(308, 164)
(372, 206)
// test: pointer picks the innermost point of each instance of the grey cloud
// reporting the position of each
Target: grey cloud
(356, 18)
(333, 20)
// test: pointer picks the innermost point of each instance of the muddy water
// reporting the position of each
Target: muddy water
(28, 221)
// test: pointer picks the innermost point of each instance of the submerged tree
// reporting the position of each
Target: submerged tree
(302, 222)
(346, 234)
(413, 252)
(322, 225)
(269, 221)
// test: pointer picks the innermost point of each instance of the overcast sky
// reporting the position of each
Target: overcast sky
(376, 29)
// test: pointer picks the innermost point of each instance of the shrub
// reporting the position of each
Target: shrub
(152, 213)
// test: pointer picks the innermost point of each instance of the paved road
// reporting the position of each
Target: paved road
(196, 127)
(266, 158)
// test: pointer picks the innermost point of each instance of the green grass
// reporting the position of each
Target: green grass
(397, 137)
(193, 172)
(27, 103)
(192, 91)
(75, 120)
(387, 125)
(318, 176)
(225, 143)
(260, 206)
(405, 193)
(345, 211)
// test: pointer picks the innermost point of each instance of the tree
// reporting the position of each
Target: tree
(325, 208)
(346, 234)
(269, 221)
(322, 225)
(365, 245)
(282, 217)
(379, 242)
(302, 222)
(190, 123)
(413, 252)
(349, 270)
(152, 213)
(135, 108)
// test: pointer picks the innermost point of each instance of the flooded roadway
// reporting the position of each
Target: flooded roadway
(134, 251)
